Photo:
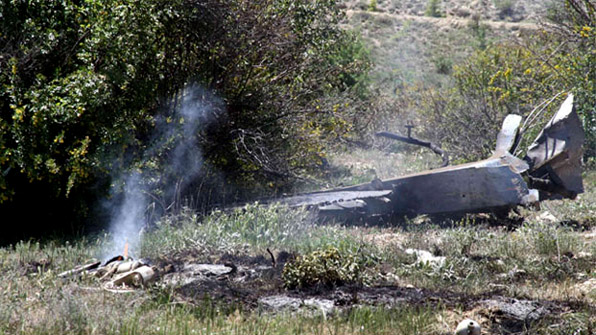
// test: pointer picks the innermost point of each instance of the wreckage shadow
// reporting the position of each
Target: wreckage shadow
(408, 222)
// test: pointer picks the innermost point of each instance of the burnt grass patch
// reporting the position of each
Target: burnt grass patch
(247, 282)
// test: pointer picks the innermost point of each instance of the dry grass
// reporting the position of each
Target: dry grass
(522, 10)
(537, 260)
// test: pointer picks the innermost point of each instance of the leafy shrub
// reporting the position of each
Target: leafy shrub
(326, 268)
(505, 8)
(85, 83)
(514, 78)
(372, 5)
(443, 64)
(432, 8)
(508, 79)
(478, 30)
(574, 24)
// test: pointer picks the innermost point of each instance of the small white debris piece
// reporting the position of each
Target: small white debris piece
(139, 277)
(547, 217)
(582, 254)
(532, 197)
(326, 306)
(513, 273)
(279, 302)
(425, 257)
(207, 269)
(80, 269)
(127, 266)
(468, 327)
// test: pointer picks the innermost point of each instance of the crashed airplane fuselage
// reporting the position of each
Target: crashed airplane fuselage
(551, 169)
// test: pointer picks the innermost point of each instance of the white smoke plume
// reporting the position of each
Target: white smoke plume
(176, 137)
(128, 218)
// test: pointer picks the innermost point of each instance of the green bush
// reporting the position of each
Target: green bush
(372, 5)
(325, 268)
(505, 7)
(506, 79)
(514, 78)
(432, 8)
(84, 85)
(443, 64)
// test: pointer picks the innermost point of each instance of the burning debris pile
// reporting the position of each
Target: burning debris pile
(227, 276)
(117, 274)
(327, 283)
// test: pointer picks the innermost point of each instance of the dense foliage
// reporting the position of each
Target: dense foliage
(85, 84)
(516, 77)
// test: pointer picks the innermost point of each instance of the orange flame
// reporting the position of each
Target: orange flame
(125, 253)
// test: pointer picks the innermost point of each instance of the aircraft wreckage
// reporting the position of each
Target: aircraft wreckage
(551, 169)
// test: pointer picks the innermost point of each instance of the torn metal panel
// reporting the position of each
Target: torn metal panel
(344, 204)
(508, 136)
(332, 197)
(487, 185)
(472, 189)
(475, 187)
(555, 156)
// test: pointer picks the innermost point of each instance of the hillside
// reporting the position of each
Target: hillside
(409, 45)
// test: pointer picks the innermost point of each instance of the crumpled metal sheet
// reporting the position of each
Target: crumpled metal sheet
(508, 136)
(556, 153)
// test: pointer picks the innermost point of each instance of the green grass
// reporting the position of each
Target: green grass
(480, 257)
(535, 260)
(249, 229)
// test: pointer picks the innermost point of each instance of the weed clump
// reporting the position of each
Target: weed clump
(372, 5)
(326, 268)
(432, 9)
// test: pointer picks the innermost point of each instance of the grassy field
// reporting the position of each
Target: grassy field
(546, 259)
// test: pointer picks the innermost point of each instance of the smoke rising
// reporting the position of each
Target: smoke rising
(169, 164)
(128, 218)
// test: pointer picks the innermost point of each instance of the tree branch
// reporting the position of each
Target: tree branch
(410, 140)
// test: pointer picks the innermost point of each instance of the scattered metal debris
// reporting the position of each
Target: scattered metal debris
(117, 273)
(139, 277)
(514, 314)
(468, 327)
(192, 272)
(253, 282)
(425, 257)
